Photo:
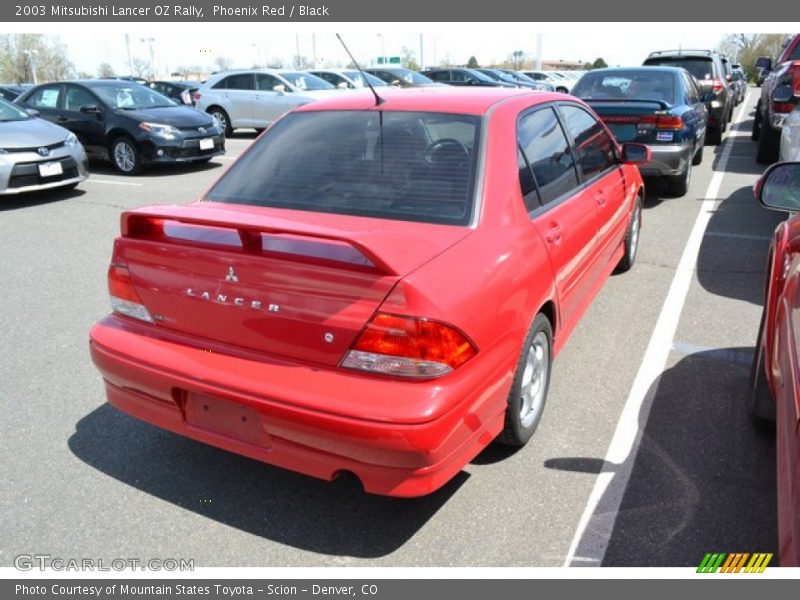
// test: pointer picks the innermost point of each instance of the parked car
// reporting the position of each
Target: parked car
(348, 78)
(518, 76)
(779, 94)
(790, 136)
(550, 77)
(11, 91)
(466, 77)
(180, 91)
(386, 305)
(774, 394)
(739, 84)
(763, 66)
(37, 155)
(258, 97)
(706, 66)
(126, 123)
(401, 77)
(502, 76)
(662, 107)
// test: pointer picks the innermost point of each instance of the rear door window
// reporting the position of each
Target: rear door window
(411, 166)
(241, 81)
(45, 97)
(594, 146)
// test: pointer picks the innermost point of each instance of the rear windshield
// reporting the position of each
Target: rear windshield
(409, 166)
(701, 68)
(636, 84)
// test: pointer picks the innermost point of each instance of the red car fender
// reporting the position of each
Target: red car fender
(773, 287)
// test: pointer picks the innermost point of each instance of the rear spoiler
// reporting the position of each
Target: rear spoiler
(661, 103)
(147, 223)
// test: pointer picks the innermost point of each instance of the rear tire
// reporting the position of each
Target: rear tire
(528, 393)
(760, 403)
(768, 146)
(714, 136)
(756, 133)
(678, 185)
(698, 155)
(631, 238)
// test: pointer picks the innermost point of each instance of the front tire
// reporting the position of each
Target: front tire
(768, 145)
(756, 133)
(528, 394)
(223, 119)
(126, 157)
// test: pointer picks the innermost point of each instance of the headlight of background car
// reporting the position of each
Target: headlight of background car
(72, 140)
(165, 131)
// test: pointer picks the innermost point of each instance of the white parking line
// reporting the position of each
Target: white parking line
(93, 180)
(596, 525)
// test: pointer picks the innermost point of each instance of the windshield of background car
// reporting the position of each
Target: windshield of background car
(701, 68)
(9, 112)
(636, 84)
(131, 96)
(413, 77)
(359, 79)
(306, 81)
(408, 166)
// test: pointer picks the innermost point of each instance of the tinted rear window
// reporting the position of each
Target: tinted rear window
(636, 84)
(408, 166)
(701, 68)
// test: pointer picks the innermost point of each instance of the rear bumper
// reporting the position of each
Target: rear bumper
(160, 382)
(667, 159)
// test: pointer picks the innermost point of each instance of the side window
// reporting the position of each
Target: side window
(691, 91)
(460, 76)
(265, 83)
(545, 147)
(527, 185)
(46, 97)
(329, 77)
(242, 81)
(77, 97)
(594, 146)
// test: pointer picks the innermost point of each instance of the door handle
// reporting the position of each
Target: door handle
(553, 234)
(601, 198)
(62, 119)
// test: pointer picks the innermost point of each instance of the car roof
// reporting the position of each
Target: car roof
(643, 69)
(709, 54)
(446, 99)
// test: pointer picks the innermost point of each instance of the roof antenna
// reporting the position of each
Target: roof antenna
(378, 99)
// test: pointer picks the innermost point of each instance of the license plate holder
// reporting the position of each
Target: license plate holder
(50, 169)
(207, 144)
(231, 419)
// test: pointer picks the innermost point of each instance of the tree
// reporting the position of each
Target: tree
(599, 63)
(105, 70)
(23, 54)
(516, 59)
(222, 63)
(142, 68)
(408, 59)
(745, 48)
(302, 62)
(472, 63)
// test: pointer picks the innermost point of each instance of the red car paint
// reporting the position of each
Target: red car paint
(274, 380)
(777, 360)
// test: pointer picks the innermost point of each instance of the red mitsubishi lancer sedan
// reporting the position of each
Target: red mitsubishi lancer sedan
(377, 286)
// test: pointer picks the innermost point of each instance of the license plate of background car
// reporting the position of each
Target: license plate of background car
(230, 419)
(206, 144)
(50, 169)
(624, 132)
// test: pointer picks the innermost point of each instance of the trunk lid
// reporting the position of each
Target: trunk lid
(289, 283)
(632, 120)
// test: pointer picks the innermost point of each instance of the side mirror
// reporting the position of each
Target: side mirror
(783, 93)
(779, 187)
(395, 82)
(708, 97)
(32, 112)
(343, 85)
(635, 154)
(280, 88)
(90, 109)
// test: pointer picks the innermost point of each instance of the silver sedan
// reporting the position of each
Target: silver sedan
(37, 155)
(790, 136)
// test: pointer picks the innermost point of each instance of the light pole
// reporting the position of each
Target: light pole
(149, 41)
(31, 54)
(383, 48)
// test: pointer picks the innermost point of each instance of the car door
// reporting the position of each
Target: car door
(236, 97)
(269, 105)
(84, 115)
(697, 117)
(603, 181)
(563, 214)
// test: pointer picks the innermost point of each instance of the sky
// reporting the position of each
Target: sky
(246, 44)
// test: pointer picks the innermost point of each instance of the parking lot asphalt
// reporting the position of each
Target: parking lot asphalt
(80, 479)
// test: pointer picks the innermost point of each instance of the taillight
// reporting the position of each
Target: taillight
(660, 122)
(717, 85)
(783, 107)
(197, 96)
(408, 347)
(124, 299)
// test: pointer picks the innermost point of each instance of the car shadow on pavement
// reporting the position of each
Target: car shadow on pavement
(43, 197)
(335, 518)
(733, 253)
(703, 478)
(102, 168)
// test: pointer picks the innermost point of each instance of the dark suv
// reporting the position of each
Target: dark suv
(708, 68)
(778, 98)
